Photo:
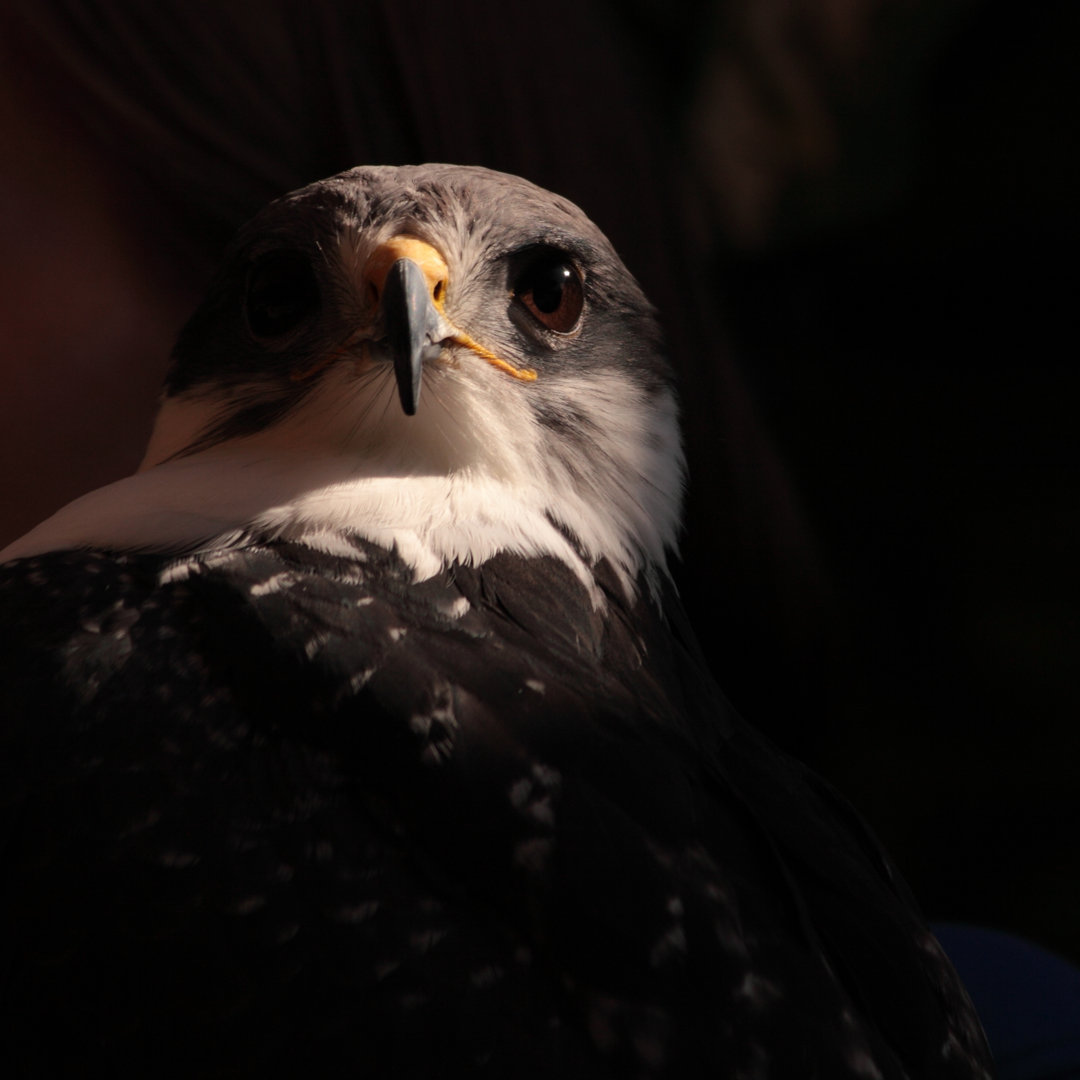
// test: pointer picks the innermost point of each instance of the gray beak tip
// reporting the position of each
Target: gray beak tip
(411, 320)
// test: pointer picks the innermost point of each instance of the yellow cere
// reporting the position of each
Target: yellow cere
(436, 273)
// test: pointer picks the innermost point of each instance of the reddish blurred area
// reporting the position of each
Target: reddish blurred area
(86, 331)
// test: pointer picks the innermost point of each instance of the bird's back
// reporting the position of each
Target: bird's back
(271, 808)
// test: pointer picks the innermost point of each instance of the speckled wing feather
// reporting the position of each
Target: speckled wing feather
(269, 811)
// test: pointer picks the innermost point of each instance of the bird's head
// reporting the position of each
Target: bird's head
(421, 326)
(438, 320)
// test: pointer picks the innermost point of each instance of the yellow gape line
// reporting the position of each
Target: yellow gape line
(328, 358)
(524, 374)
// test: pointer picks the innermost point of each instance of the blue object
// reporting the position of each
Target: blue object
(1027, 998)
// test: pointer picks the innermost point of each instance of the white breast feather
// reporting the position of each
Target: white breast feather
(432, 486)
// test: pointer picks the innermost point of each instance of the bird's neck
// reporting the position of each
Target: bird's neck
(232, 495)
(497, 481)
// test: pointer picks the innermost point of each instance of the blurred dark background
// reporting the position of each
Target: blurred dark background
(903, 312)
(857, 219)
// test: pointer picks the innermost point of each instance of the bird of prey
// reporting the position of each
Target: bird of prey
(360, 732)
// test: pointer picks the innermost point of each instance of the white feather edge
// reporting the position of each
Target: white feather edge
(437, 492)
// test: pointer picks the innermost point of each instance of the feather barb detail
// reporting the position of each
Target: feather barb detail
(327, 359)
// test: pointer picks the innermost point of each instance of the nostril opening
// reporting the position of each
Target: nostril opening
(439, 291)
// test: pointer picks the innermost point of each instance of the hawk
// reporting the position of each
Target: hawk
(361, 732)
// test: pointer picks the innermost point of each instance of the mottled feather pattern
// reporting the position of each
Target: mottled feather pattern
(362, 734)
(378, 845)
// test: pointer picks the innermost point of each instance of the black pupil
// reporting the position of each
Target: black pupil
(547, 283)
(281, 293)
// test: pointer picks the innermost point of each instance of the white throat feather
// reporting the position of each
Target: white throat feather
(429, 486)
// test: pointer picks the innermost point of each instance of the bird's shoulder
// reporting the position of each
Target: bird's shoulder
(189, 809)
(481, 779)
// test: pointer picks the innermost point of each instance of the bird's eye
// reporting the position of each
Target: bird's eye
(281, 294)
(550, 287)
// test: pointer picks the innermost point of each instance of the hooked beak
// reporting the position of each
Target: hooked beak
(412, 328)
(409, 279)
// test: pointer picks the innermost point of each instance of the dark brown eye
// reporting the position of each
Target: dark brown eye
(281, 293)
(550, 287)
